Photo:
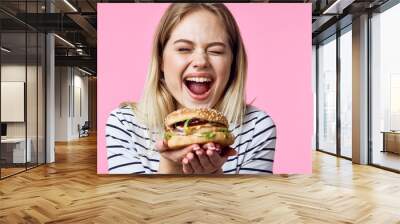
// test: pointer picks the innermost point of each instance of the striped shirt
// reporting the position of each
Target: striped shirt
(130, 148)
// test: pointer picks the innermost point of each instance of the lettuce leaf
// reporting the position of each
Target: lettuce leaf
(208, 135)
(167, 135)
(186, 126)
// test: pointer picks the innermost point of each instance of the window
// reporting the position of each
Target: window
(385, 88)
(327, 95)
(346, 93)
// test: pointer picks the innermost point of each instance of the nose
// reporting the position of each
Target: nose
(200, 60)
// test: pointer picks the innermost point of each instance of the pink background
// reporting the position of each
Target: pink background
(277, 38)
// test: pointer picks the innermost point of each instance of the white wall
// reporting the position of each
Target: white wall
(16, 73)
(71, 93)
(12, 73)
(79, 112)
(62, 78)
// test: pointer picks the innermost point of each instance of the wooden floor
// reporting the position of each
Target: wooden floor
(10, 171)
(387, 159)
(70, 191)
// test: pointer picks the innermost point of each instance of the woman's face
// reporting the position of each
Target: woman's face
(197, 60)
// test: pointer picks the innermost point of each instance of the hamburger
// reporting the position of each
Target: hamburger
(186, 126)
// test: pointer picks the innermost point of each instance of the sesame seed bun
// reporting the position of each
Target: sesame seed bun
(202, 113)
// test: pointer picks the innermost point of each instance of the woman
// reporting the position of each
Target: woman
(198, 61)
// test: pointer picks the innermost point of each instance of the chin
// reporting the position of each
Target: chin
(196, 104)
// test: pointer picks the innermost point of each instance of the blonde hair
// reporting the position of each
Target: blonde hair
(157, 102)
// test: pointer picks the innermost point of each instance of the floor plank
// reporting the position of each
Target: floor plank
(387, 159)
(70, 191)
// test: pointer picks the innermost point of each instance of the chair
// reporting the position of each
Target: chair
(84, 130)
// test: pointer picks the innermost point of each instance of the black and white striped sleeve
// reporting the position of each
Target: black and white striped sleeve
(261, 151)
(122, 156)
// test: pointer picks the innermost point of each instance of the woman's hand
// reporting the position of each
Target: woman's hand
(207, 160)
(171, 160)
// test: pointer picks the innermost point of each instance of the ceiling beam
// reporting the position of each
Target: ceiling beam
(337, 7)
(84, 24)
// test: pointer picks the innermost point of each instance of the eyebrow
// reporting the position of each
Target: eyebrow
(191, 42)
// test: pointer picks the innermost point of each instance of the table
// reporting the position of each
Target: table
(391, 141)
(16, 147)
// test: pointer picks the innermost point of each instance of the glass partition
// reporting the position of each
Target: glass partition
(31, 100)
(13, 108)
(22, 88)
(41, 109)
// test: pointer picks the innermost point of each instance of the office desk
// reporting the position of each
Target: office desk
(16, 148)
(391, 141)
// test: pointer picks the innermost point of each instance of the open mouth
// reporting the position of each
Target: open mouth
(199, 87)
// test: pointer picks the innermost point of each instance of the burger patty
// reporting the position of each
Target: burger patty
(196, 126)
(191, 122)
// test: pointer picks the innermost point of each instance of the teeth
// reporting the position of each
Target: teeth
(198, 79)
